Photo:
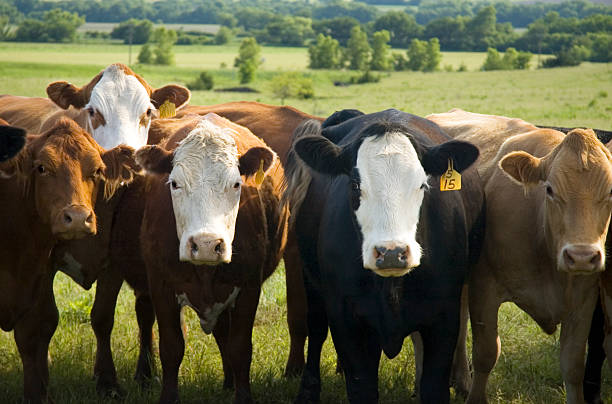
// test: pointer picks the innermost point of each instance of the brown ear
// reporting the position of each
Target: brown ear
(65, 94)
(155, 159)
(120, 168)
(522, 167)
(178, 95)
(250, 161)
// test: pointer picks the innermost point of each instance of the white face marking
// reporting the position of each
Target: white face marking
(121, 100)
(205, 187)
(391, 182)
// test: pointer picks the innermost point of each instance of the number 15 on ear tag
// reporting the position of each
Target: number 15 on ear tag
(451, 179)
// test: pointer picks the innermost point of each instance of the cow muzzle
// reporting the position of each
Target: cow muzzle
(392, 260)
(75, 221)
(206, 249)
(582, 259)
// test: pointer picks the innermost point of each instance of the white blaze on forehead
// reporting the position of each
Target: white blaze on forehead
(121, 100)
(205, 169)
(391, 182)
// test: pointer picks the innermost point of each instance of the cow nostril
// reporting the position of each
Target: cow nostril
(90, 218)
(402, 256)
(568, 257)
(67, 218)
(596, 258)
(219, 247)
(193, 246)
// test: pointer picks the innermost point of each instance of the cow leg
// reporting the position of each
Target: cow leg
(171, 341)
(221, 334)
(595, 358)
(460, 378)
(486, 345)
(296, 306)
(240, 347)
(417, 343)
(439, 342)
(145, 315)
(310, 385)
(359, 352)
(32, 336)
(102, 320)
(574, 334)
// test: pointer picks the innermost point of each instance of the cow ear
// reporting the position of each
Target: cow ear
(12, 139)
(522, 167)
(120, 168)
(463, 154)
(250, 161)
(65, 94)
(322, 155)
(20, 165)
(178, 95)
(155, 159)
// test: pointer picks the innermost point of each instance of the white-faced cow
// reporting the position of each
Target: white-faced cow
(548, 210)
(385, 251)
(210, 236)
(116, 106)
(47, 193)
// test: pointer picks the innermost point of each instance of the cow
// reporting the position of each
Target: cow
(210, 236)
(558, 185)
(47, 194)
(116, 106)
(385, 251)
(11, 140)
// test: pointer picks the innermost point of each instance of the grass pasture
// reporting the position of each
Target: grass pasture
(527, 370)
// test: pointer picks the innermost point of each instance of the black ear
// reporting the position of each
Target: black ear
(323, 156)
(340, 116)
(155, 159)
(435, 161)
(250, 161)
(12, 140)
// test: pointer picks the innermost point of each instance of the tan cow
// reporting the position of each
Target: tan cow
(116, 106)
(47, 193)
(548, 211)
(210, 236)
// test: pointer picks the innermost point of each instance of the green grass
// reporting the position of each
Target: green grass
(528, 369)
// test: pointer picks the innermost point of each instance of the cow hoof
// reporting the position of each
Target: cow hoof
(306, 398)
(143, 382)
(114, 392)
(293, 370)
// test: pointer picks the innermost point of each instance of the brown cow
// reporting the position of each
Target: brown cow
(116, 106)
(207, 267)
(49, 194)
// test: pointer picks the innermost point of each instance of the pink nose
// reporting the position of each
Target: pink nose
(75, 221)
(582, 257)
(206, 248)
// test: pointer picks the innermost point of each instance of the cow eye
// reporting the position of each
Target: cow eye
(174, 185)
(549, 191)
(237, 185)
(97, 173)
(149, 111)
(41, 169)
(91, 112)
(424, 186)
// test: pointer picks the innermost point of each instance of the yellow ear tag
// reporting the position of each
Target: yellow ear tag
(451, 179)
(259, 176)
(167, 110)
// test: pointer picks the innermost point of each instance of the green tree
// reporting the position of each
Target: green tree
(380, 51)
(223, 36)
(417, 55)
(338, 28)
(164, 40)
(5, 28)
(493, 61)
(140, 30)
(402, 27)
(145, 56)
(247, 60)
(290, 31)
(325, 54)
(288, 85)
(433, 55)
(204, 81)
(56, 26)
(358, 51)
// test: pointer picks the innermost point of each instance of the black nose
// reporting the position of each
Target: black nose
(393, 258)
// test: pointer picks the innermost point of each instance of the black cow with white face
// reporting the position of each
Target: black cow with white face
(11, 141)
(385, 251)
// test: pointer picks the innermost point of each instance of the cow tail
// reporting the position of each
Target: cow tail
(297, 175)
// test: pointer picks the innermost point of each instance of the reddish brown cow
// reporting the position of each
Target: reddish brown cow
(47, 193)
(204, 173)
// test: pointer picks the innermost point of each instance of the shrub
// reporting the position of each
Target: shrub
(292, 84)
(203, 82)
(366, 77)
(247, 60)
(145, 56)
(325, 54)
(223, 36)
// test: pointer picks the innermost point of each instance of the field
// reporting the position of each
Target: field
(528, 369)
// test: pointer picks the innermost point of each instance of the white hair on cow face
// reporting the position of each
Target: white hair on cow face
(205, 186)
(119, 109)
(392, 186)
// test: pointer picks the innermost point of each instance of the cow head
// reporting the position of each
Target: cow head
(388, 177)
(205, 185)
(61, 170)
(575, 179)
(119, 104)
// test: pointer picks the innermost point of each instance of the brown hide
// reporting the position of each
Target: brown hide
(55, 172)
(274, 124)
(557, 195)
(257, 247)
